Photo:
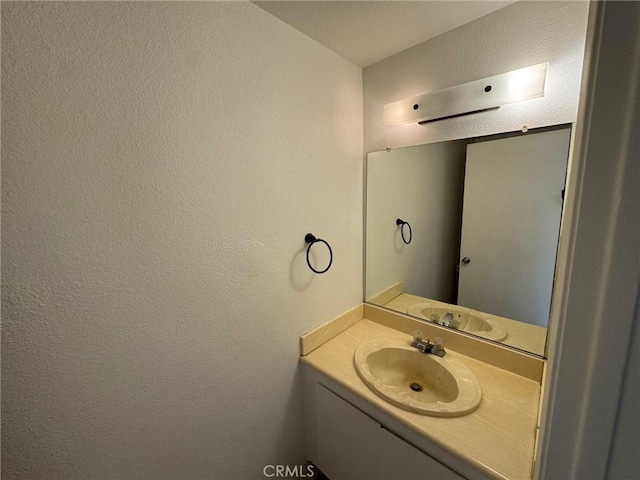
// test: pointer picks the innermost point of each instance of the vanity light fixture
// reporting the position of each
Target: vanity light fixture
(478, 96)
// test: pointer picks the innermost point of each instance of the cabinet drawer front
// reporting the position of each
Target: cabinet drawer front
(352, 446)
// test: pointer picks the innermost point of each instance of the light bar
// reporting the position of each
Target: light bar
(473, 97)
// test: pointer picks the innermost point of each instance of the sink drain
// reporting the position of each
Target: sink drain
(416, 387)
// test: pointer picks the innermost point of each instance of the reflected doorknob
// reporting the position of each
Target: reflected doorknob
(466, 261)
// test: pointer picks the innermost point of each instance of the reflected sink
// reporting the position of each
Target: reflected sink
(469, 320)
(395, 371)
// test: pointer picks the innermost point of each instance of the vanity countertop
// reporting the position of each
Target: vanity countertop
(498, 438)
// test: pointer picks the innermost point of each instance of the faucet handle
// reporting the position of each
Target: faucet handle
(438, 347)
(418, 335)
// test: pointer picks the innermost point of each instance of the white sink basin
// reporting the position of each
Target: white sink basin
(447, 388)
(469, 320)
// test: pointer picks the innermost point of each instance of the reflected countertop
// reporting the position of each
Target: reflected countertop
(521, 335)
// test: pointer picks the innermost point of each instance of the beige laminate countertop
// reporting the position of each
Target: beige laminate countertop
(498, 438)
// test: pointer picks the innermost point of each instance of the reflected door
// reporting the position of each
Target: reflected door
(510, 223)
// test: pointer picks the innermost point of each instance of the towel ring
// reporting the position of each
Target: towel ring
(311, 239)
(401, 224)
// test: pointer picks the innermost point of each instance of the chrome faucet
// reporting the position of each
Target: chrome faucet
(425, 346)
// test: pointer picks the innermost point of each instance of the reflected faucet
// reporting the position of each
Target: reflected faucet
(425, 346)
(448, 321)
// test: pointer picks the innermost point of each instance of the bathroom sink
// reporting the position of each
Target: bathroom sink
(418, 382)
(470, 321)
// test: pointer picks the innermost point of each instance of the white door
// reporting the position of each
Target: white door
(354, 446)
(510, 224)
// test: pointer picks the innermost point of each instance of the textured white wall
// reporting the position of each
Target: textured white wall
(161, 165)
(522, 34)
(406, 183)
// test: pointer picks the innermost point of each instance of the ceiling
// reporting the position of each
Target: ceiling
(365, 32)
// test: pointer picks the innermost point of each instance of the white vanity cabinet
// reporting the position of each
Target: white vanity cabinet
(352, 445)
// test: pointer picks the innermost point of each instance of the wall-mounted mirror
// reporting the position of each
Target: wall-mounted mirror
(464, 233)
